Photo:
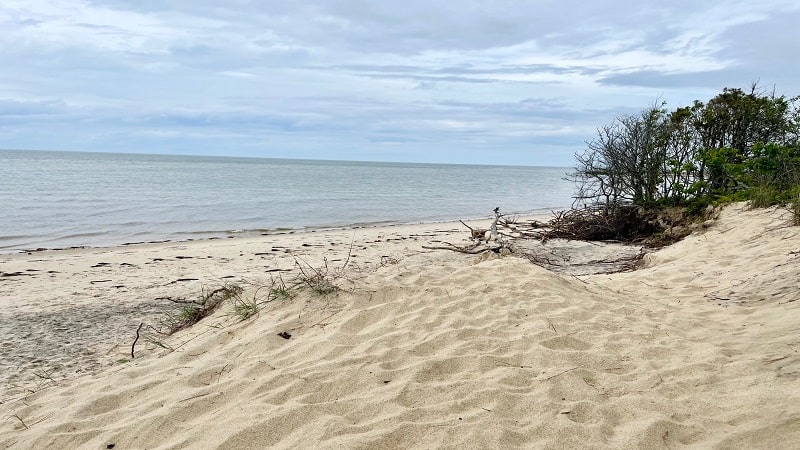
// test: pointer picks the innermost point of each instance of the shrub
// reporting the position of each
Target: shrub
(738, 146)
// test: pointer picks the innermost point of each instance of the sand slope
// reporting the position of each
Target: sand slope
(74, 312)
(701, 349)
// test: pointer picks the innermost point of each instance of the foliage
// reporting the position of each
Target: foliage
(737, 146)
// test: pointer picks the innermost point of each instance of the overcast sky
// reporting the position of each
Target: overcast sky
(485, 82)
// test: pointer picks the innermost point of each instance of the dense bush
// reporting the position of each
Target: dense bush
(737, 146)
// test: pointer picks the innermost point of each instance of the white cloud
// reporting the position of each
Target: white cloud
(236, 74)
(324, 77)
(74, 23)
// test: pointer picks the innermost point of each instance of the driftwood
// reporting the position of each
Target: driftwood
(471, 250)
(483, 240)
(621, 225)
(476, 233)
(133, 346)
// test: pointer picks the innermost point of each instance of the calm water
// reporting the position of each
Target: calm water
(62, 199)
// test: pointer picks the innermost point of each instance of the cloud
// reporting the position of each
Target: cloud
(523, 81)
(30, 107)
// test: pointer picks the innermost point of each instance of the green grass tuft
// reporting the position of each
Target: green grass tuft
(195, 310)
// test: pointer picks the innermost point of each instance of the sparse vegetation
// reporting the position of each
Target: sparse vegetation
(323, 279)
(245, 307)
(279, 290)
(195, 310)
(244, 304)
(794, 206)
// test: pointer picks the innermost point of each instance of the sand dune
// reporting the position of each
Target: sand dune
(700, 348)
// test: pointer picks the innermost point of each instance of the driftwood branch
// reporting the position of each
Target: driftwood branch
(475, 233)
(133, 346)
(563, 372)
(481, 238)
(495, 236)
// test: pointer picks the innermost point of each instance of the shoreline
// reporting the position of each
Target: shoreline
(251, 233)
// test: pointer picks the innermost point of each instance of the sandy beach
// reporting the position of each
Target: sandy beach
(418, 348)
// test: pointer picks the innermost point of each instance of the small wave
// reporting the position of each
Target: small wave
(17, 237)
(83, 235)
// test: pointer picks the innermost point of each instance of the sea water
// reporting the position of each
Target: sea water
(67, 199)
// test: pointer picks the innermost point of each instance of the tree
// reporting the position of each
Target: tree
(728, 127)
(727, 146)
(625, 162)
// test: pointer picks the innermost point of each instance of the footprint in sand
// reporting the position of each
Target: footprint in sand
(582, 412)
(565, 343)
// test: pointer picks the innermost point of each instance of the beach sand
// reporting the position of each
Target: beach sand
(418, 349)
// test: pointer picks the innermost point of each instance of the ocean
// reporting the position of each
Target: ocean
(73, 199)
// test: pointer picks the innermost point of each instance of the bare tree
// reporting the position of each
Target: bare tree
(626, 162)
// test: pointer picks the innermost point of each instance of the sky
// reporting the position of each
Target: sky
(476, 82)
